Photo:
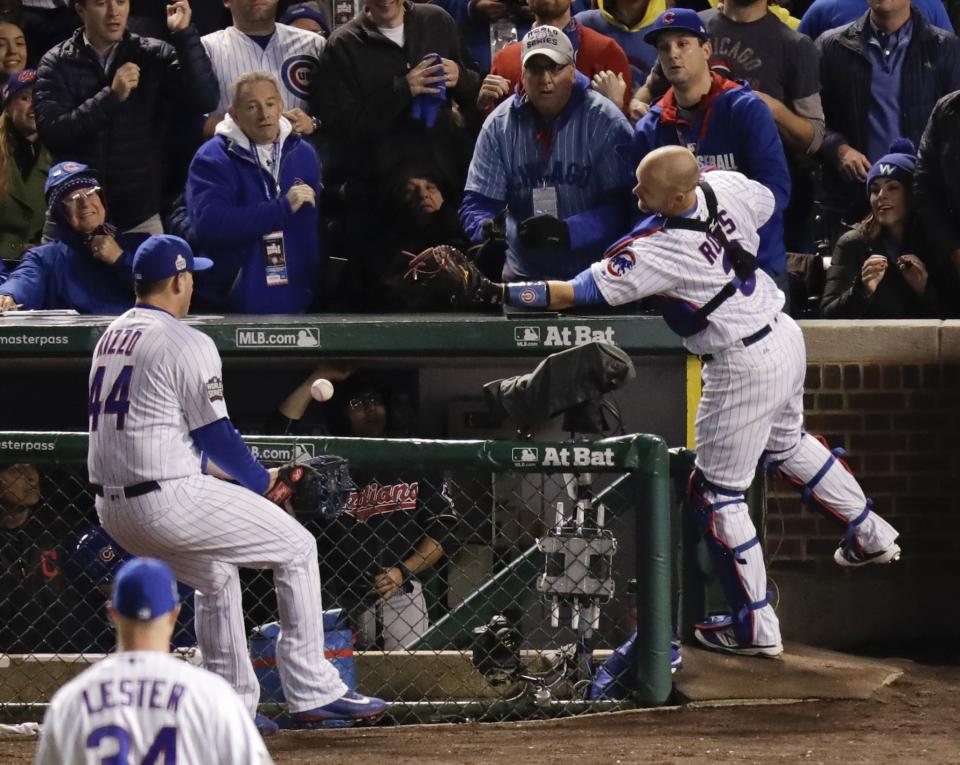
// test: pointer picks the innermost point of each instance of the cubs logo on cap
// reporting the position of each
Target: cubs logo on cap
(17, 82)
(674, 20)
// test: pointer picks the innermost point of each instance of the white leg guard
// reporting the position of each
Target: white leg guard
(738, 563)
(827, 485)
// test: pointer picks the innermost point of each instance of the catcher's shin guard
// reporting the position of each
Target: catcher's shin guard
(734, 547)
(827, 485)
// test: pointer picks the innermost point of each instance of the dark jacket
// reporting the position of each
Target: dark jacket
(80, 118)
(931, 69)
(937, 179)
(844, 296)
(361, 96)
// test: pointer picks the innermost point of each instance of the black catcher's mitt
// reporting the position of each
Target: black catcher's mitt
(454, 273)
(317, 489)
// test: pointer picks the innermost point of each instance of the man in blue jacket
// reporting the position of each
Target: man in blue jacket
(252, 199)
(89, 269)
(722, 122)
(548, 159)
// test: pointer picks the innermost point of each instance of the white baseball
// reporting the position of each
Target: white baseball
(321, 390)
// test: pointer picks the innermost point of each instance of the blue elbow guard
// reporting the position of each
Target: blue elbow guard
(585, 289)
(527, 295)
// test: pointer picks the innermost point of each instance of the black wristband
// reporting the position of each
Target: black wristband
(405, 570)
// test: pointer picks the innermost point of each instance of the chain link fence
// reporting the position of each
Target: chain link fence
(465, 580)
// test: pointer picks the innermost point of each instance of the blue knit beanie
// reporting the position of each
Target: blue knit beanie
(898, 165)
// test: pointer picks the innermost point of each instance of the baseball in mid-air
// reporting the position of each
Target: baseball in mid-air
(321, 390)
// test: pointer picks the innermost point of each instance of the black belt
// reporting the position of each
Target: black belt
(135, 490)
(749, 340)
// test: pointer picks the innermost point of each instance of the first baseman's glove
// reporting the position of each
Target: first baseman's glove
(456, 274)
(317, 489)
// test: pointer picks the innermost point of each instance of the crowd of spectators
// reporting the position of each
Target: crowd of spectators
(307, 154)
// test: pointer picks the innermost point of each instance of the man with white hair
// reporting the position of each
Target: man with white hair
(252, 199)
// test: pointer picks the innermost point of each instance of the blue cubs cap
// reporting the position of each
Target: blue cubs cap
(677, 19)
(17, 82)
(165, 255)
(144, 589)
(899, 165)
(66, 176)
(97, 556)
(305, 11)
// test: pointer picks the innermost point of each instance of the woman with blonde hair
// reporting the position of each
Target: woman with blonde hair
(24, 164)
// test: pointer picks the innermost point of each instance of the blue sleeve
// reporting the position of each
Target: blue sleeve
(597, 225)
(763, 149)
(811, 24)
(27, 283)
(218, 220)
(585, 289)
(935, 13)
(221, 442)
(474, 210)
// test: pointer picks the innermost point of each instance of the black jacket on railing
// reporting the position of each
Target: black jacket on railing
(936, 183)
(80, 118)
(931, 70)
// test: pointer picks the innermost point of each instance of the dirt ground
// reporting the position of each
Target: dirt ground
(914, 720)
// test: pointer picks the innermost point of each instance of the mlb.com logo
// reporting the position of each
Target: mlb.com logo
(281, 453)
(526, 337)
(525, 455)
(278, 337)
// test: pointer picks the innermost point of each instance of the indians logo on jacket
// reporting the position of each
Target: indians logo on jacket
(376, 499)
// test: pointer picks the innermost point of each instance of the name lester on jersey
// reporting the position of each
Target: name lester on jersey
(144, 693)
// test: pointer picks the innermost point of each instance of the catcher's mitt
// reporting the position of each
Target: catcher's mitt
(317, 489)
(456, 274)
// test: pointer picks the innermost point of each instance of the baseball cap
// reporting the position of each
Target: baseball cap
(898, 165)
(97, 556)
(66, 176)
(546, 41)
(305, 11)
(17, 82)
(165, 255)
(677, 19)
(144, 589)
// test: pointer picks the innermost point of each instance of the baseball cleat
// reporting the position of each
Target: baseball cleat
(847, 557)
(726, 642)
(265, 725)
(350, 706)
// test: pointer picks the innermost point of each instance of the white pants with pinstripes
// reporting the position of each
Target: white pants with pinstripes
(752, 401)
(206, 529)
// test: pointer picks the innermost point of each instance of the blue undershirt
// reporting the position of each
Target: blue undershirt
(585, 289)
(221, 442)
(887, 54)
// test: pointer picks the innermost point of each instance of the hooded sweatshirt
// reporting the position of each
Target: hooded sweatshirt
(236, 196)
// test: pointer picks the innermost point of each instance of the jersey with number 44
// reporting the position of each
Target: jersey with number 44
(153, 379)
(685, 269)
(148, 708)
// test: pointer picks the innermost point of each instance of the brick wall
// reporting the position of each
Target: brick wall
(900, 425)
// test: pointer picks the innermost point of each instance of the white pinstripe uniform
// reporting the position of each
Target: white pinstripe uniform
(137, 702)
(164, 379)
(752, 397)
(292, 55)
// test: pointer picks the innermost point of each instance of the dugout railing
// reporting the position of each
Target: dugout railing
(456, 661)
